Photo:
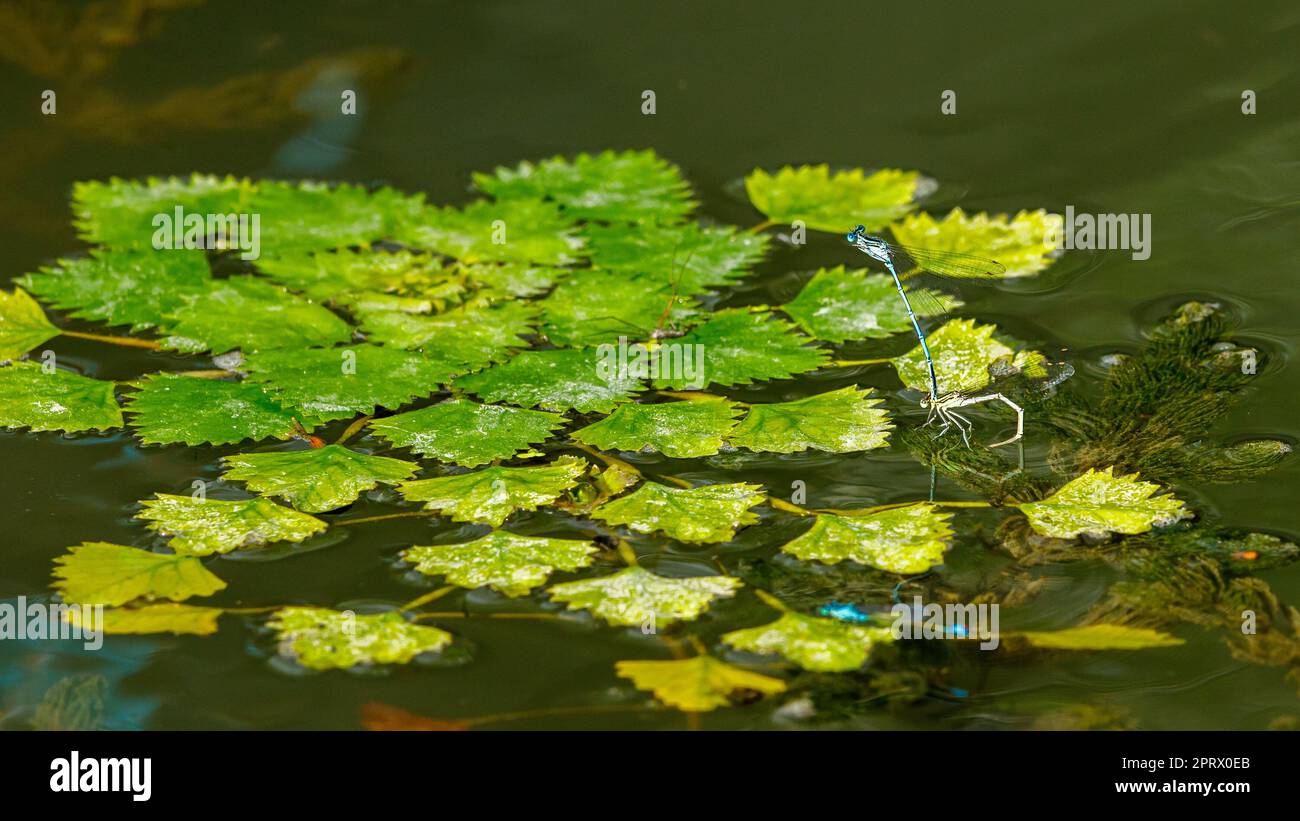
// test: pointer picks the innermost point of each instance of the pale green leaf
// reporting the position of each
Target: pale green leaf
(838, 305)
(467, 433)
(171, 408)
(201, 527)
(513, 279)
(833, 202)
(678, 429)
(821, 645)
(740, 346)
(1025, 243)
(316, 479)
(323, 639)
(113, 574)
(635, 596)
(841, 421)
(711, 513)
(507, 563)
(23, 325)
(1098, 502)
(58, 400)
(492, 494)
(963, 353)
(559, 380)
(615, 187)
(696, 684)
(909, 539)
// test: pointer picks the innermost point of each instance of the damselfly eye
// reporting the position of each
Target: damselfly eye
(859, 229)
(852, 237)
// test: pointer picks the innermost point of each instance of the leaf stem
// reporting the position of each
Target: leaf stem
(853, 363)
(895, 505)
(762, 226)
(788, 507)
(405, 515)
(125, 341)
(215, 373)
(432, 595)
(770, 600)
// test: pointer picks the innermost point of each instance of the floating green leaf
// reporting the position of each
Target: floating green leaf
(821, 645)
(907, 539)
(1025, 243)
(123, 287)
(461, 340)
(507, 563)
(678, 429)
(1098, 502)
(201, 527)
(696, 684)
(592, 307)
(467, 433)
(711, 513)
(323, 639)
(515, 230)
(837, 305)
(23, 325)
(695, 258)
(250, 314)
(122, 212)
(963, 353)
(616, 187)
(171, 408)
(841, 421)
(1100, 637)
(113, 574)
(833, 202)
(339, 383)
(514, 279)
(739, 346)
(491, 495)
(559, 380)
(58, 400)
(635, 596)
(316, 215)
(316, 479)
(341, 275)
(179, 619)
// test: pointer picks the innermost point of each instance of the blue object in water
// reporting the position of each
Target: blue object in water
(844, 611)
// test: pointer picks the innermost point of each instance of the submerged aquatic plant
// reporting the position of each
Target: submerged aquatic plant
(452, 356)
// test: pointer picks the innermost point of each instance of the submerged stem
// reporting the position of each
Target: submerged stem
(432, 595)
(125, 341)
(405, 515)
(353, 430)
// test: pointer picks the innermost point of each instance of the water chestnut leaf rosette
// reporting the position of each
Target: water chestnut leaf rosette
(483, 342)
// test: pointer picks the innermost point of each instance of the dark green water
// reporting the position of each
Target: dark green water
(1126, 107)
